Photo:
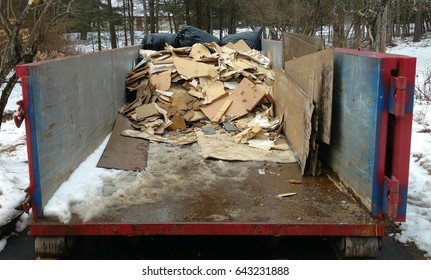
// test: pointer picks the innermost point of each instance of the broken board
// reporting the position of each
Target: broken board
(124, 152)
(314, 74)
(294, 106)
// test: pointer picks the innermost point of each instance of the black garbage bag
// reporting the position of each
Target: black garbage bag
(190, 35)
(251, 38)
(157, 41)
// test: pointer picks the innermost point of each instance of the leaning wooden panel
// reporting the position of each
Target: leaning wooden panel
(296, 108)
(315, 73)
(294, 47)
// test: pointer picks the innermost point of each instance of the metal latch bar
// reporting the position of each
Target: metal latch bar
(397, 98)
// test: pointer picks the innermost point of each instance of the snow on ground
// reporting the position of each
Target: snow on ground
(14, 169)
(418, 225)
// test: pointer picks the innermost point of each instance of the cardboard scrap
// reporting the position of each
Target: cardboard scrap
(161, 81)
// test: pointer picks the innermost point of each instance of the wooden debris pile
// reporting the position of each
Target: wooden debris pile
(180, 90)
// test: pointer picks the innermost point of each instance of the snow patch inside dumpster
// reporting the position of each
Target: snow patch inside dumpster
(91, 191)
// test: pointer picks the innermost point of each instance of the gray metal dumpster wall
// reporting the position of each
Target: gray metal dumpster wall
(74, 103)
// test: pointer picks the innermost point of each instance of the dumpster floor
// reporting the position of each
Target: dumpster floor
(179, 186)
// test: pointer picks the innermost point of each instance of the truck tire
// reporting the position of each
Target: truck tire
(53, 246)
(348, 247)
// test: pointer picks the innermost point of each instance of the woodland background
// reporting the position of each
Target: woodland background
(40, 29)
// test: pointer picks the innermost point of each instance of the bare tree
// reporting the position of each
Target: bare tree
(22, 30)
(418, 22)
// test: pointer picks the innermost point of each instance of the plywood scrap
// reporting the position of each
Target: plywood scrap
(314, 73)
(146, 110)
(247, 95)
(192, 69)
(214, 91)
(198, 51)
(161, 81)
(191, 86)
(296, 109)
(247, 134)
(178, 123)
(179, 100)
(240, 46)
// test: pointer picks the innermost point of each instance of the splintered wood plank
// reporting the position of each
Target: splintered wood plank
(221, 111)
(124, 152)
(296, 109)
(314, 73)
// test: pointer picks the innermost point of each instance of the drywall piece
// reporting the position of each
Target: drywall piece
(161, 81)
(315, 74)
(221, 146)
(192, 69)
(294, 106)
(296, 45)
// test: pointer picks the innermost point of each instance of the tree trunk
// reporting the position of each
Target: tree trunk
(187, 7)
(112, 33)
(145, 17)
(125, 22)
(151, 9)
(232, 18)
(6, 93)
(339, 36)
(397, 18)
(418, 22)
(131, 22)
(99, 27)
(221, 20)
(156, 16)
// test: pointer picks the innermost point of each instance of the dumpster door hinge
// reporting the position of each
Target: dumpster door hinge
(391, 188)
(397, 98)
